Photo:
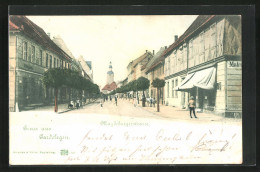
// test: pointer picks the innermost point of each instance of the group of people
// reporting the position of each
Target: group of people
(78, 104)
(106, 98)
(191, 103)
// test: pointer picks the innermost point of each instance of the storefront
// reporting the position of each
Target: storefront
(216, 88)
(201, 85)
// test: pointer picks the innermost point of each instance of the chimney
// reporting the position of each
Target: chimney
(153, 52)
(175, 38)
(165, 47)
(49, 34)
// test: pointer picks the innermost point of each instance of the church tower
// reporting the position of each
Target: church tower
(110, 74)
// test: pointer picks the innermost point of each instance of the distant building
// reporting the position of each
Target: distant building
(60, 42)
(134, 67)
(87, 70)
(155, 69)
(111, 84)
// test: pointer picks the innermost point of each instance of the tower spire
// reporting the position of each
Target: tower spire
(110, 74)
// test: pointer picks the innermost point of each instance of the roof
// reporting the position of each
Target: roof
(154, 60)
(110, 87)
(89, 63)
(60, 42)
(30, 29)
(200, 21)
(110, 72)
(139, 59)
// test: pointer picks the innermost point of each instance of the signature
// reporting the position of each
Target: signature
(210, 145)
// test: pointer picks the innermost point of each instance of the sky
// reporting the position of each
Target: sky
(119, 39)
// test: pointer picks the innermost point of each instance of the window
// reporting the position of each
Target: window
(58, 63)
(47, 59)
(62, 64)
(168, 93)
(176, 84)
(172, 88)
(29, 53)
(33, 54)
(40, 58)
(25, 50)
(191, 49)
(54, 62)
(50, 61)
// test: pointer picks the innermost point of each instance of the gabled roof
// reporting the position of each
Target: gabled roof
(139, 59)
(30, 29)
(110, 87)
(199, 22)
(154, 60)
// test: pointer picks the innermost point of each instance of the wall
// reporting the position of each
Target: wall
(203, 47)
(234, 86)
(12, 66)
(173, 97)
(233, 37)
(221, 81)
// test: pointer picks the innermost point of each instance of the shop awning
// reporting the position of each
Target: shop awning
(204, 79)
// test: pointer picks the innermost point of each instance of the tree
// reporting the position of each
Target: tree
(55, 78)
(142, 84)
(158, 83)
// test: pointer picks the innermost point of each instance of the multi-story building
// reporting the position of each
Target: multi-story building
(205, 62)
(31, 53)
(134, 67)
(155, 69)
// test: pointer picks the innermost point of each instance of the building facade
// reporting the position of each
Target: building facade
(134, 68)
(205, 62)
(31, 53)
(155, 69)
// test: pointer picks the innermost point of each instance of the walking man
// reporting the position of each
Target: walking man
(192, 106)
(78, 103)
(116, 100)
(101, 102)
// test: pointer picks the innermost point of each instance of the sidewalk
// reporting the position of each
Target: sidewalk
(62, 108)
(175, 113)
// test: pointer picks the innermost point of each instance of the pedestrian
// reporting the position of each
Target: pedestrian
(70, 105)
(151, 101)
(135, 102)
(77, 104)
(154, 101)
(101, 103)
(116, 100)
(192, 106)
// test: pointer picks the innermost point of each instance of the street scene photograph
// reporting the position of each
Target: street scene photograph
(117, 89)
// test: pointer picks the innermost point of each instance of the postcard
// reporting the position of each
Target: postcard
(125, 89)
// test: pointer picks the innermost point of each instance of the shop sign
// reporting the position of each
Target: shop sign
(234, 64)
